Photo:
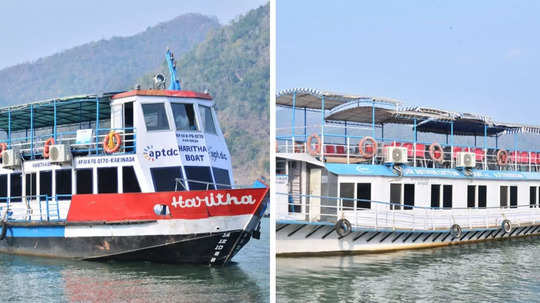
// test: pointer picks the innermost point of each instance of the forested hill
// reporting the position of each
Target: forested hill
(233, 64)
(102, 66)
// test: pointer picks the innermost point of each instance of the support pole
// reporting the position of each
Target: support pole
(415, 138)
(451, 144)
(293, 121)
(322, 128)
(485, 147)
(32, 131)
(54, 126)
(97, 125)
(305, 124)
(9, 127)
(373, 118)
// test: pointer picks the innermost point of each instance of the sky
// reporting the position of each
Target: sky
(30, 30)
(467, 56)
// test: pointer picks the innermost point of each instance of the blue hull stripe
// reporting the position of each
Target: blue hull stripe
(36, 232)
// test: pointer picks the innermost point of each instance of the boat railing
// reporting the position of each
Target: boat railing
(419, 155)
(378, 215)
(32, 147)
(35, 208)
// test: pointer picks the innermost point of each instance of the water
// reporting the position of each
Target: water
(497, 271)
(25, 279)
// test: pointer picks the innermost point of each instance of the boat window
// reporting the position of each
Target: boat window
(63, 184)
(513, 196)
(184, 116)
(199, 177)
(30, 184)
(84, 183)
(346, 192)
(503, 196)
(107, 180)
(395, 196)
(363, 194)
(164, 178)
(447, 196)
(15, 187)
(436, 195)
(155, 117)
(482, 196)
(45, 184)
(130, 184)
(532, 193)
(222, 177)
(281, 167)
(471, 196)
(408, 196)
(3, 188)
(207, 119)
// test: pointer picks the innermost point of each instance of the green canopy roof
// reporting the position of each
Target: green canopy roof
(69, 110)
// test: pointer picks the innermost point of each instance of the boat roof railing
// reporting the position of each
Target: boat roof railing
(380, 111)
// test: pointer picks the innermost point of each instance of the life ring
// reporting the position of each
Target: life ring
(433, 148)
(506, 226)
(362, 147)
(112, 142)
(4, 230)
(3, 147)
(48, 143)
(455, 231)
(343, 227)
(502, 157)
(317, 150)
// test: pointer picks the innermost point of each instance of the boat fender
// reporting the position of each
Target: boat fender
(343, 227)
(506, 226)
(317, 150)
(455, 231)
(46, 146)
(502, 157)
(435, 149)
(112, 142)
(4, 230)
(363, 144)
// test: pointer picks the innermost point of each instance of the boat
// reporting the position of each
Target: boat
(369, 174)
(140, 175)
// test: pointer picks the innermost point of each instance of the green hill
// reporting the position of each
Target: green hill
(233, 65)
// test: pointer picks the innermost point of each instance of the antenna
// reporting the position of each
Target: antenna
(175, 83)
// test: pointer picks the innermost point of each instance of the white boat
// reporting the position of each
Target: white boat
(345, 187)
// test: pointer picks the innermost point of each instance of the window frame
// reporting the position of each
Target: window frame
(166, 107)
(196, 114)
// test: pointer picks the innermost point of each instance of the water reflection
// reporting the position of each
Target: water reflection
(493, 271)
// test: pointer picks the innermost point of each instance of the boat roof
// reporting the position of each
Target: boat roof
(164, 93)
(363, 109)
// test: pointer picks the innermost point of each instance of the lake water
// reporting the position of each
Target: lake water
(25, 279)
(497, 271)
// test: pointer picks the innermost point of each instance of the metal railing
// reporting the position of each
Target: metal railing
(32, 208)
(393, 216)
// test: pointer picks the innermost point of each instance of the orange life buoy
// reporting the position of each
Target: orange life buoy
(3, 147)
(363, 150)
(112, 142)
(48, 143)
(314, 151)
(436, 152)
(502, 157)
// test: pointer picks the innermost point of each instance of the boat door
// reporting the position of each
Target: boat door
(315, 178)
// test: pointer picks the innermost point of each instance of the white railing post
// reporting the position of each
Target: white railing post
(348, 151)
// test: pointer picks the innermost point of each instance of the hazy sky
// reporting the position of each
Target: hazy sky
(475, 56)
(33, 29)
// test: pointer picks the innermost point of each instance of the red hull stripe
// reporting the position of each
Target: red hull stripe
(181, 205)
(164, 93)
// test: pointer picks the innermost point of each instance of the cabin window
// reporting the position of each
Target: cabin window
(84, 182)
(513, 196)
(207, 120)
(184, 116)
(436, 195)
(363, 194)
(281, 167)
(3, 188)
(107, 180)
(346, 192)
(471, 196)
(63, 184)
(45, 184)
(164, 178)
(395, 196)
(130, 184)
(199, 177)
(532, 193)
(503, 198)
(155, 117)
(15, 187)
(482, 196)
(30, 184)
(408, 196)
(447, 196)
(222, 177)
